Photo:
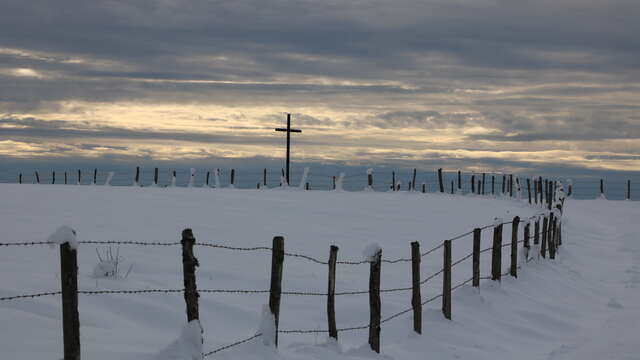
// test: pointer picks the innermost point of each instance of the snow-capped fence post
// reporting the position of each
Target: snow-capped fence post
(37, 178)
(136, 180)
(496, 253)
(446, 280)
(440, 180)
(370, 180)
(69, 289)
(277, 259)
(155, 177)
(416, 298)
(374, 301)
(413, 182)
(543, 246)
(628, 189)
(529, 189)
(331, 293)
(477, 233)
(189, 263)
(513, 271)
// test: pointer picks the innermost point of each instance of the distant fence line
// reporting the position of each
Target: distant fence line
(548, 236)
(493, 184)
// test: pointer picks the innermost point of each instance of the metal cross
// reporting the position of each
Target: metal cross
(288, 130)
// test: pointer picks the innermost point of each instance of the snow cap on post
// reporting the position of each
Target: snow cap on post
(369, 253)
(497, 222)
(64, 234)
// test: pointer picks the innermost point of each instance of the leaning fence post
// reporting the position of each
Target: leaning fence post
(413, 181)
(543, 246)
(477, 232)
(416, 298)
(513, 271)
(37, 178)
(53, 177)
(189, 263)
(136, 180)
(374, 302)
(331, 293)
(264, 177)
(446, 280)
(551, 237)
(70, 317)
(496, 253)
(440, 180)
(277, 259)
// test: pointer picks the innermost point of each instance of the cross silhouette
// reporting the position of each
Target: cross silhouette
(288, 130)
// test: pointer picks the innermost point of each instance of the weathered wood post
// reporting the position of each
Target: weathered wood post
(374, 302)
(628, 189)
(540, 190)
(20, 178)
(233, 177)
(189, 263)
(424, 188)
(277, 260)
(550, 204)
(551, 237)
(416, 298)
(527, 243)
(65, 178)
(459, 181)
(264, 177)
(95, 176)
(601, 187)
(331, 293)
(155, 177)
(333, 178)
(529, 189)
(440, 180)
(535, 190)
(69, 287)
(479, 186)
(446, 280)
(393, 181)
(513, 271)
(483, 181)
(543, 246)
(536, 232)
(510, 185)
(370, 180)
(53, 177)
(504, 183)
(137, 177)
(473, 183)
(306, 186)
(452, 192)
(413, 182)
(37, 178)
(496, 253)
(477, 233)
(493, 184)
(206, 181)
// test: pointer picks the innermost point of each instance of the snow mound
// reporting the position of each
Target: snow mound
(64, 234)
(187, 347)
(267, 327)
(369, 253)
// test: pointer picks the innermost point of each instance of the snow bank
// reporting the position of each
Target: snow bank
(187, 347)
(267, 327)
(64, 234)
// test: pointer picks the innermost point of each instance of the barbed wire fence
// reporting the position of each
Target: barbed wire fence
(546, 238)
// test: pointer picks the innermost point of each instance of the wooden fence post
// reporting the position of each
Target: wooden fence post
(459, 181)
(331, 293)
(527, 243)
(393, 181)
(510, 185)
(189, 263)
(65, 178)
(374, 302)
(37, 178)
(536, 232)
(483, 180)
(496, 253)
(446, 280)
(543, 246)
(277, 260)
(233, 177)
(601, 187)
(551, 237)
(424, 188)
(95, 176)
(306, 186)
(473, 184)
(70, 317)
(477, 233)
(493, 184)
(452, 191)
(416, 298)
(440, 180)
(264, 177)
(504, 183)
(155, 177)
(628, 189)
(513, 271)
(53, 177)
(137, 178)
(370, 180)
(529, 189)
(413, 182)
(20, 178)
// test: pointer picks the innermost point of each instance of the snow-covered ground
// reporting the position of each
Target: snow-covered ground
(583, 305)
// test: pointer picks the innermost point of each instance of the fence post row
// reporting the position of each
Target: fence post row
(374, 302)
(446, 280)
(416, 298)
(496, 253)
(331, 293)
(477, 233)
(189, 263)
(513, 271)
(69, 287)
(277, 259)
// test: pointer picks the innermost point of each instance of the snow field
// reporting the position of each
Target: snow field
(542, 314)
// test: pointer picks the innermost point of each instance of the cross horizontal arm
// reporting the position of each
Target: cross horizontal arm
(291, 130)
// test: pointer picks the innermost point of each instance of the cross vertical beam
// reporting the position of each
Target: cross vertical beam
(288, 130)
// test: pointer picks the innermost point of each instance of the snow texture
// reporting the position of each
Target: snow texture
(192, 177)
(64, 234)
(109, 178)
(304, 178)
(370, 251)
(267, 327)
(188, 346)
(339, 182)
(217, 178)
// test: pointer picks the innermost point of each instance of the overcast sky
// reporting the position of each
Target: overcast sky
(473, 84)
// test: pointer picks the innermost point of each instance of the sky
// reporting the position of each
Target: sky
(462, 84)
